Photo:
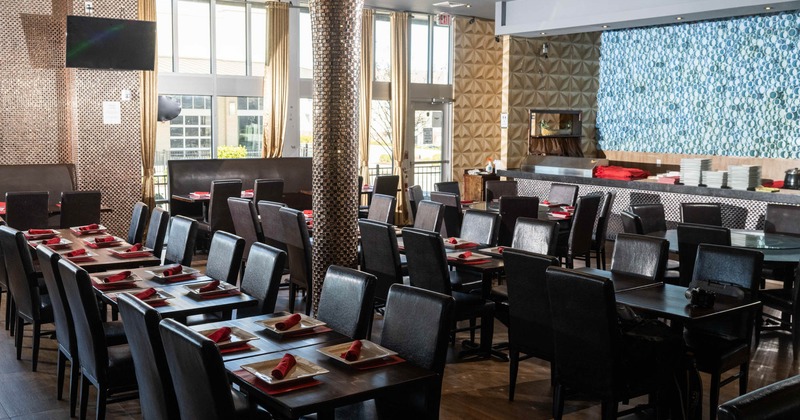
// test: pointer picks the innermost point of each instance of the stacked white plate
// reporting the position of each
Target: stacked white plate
(743, 177)
(692, 170)
(715, 179)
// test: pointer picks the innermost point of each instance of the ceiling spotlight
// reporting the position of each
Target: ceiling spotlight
(605, 26)
(678, 18)
(768, 8)
(543, 33)
(468, 6)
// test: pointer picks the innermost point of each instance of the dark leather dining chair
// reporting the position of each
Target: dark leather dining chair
(262, 279)
(79, 208)
(4, 289)
(219, 215)
(384, 184)
(511, 209)
(781, 311)
(138, 223)
(382, 208)
(776, 401)
(245, 222)
(689, 237)
(156, 394)
(481, 227)
(430, 216)
(652, 217)
(451, 187)
(564, 194)
(109, 369)
(534, 235)
(530, 329)
(346, 301)
(380, 257)
(415, 196)
(641, 256)
(271, 224)
(601, 227)
(578, 241)
(268, 190)
(723, 343)
(451, 223)
(701, 213)
(497, 189)
(781, 218)
(26, 210)
(224, 257)
(31, 302)
(199, 377)
(298, 245)
(180, 241)
(631, 223)
(416, 325)
(157, 231)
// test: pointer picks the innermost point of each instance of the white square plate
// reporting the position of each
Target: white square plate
(302, 370)
(306, 323)
(369, 351)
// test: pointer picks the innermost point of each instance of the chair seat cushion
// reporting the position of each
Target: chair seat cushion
(121, 371)
(115, 333)
(469, 305)
(713, 352)
(464, 280)
(499, 293)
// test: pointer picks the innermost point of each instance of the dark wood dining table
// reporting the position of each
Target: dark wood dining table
(776, 247)
(103, 259)
(622, 282)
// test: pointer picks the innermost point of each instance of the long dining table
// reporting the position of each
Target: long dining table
(102, 258)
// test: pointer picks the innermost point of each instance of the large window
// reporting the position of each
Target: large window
(231, 38)
(306, 127)
(382, 48)
(258, 38)
(239, 126)
(194, 36)
(306, 47)
(429, 51)
(419, 50)
(380, 139)
(164, 30)
(189, 135)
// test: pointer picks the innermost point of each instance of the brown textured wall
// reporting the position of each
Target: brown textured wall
(567, 79)
(54, 115)
(477, 85)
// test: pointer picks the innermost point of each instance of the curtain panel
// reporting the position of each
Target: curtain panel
(399, 104)
(365, 94)
(148, 86)
(276, 78)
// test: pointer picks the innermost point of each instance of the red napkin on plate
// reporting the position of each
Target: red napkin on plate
(76, 252)
(562, 213)
(500, 249)
(92, 226)
(453, 241)
(201, 193)
(465, 254)
(308, 213)
(117, 277)
(351, 355)
(545, 202)
(53, 241)
(209, 287)
(288, 322)
(146, 293)
(134, 248)
(39, 231)
(222, 334)
(103, 239)
(284, 366)
(172, 271)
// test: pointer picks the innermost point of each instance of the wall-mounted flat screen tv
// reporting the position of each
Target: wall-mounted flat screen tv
(113, 44)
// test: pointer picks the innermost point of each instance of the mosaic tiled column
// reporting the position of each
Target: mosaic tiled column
(336, 34)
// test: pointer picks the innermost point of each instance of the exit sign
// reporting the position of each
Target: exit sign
(443, 19)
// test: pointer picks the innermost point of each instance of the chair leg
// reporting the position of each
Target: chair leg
(84, 396)
(513, 357)
(102, 394)
(472, 330)
(74, 376)
(603, 257)
(713, 395)
(292, 295)
(558, 402)
(20, 326)
(37, 330)
(795, 336)
(744, 377)
(609, 409)
(60, 369)
(11, 316)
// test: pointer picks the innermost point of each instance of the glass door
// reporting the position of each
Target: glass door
(429, 144)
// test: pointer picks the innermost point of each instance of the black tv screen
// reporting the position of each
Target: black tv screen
(114, 44)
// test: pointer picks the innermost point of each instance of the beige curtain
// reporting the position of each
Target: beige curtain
(365, 94)
(399, 92)
(148, 88)
(276, 78)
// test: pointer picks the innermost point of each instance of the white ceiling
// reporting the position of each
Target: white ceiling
(478, 8)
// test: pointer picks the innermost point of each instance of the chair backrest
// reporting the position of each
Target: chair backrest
(417, 325)
(298, 245)
(640, 255)
(245, 222)
(511, 209)
(430, 216)
(415, 196)
(580, 234)
(21, 275)
(380, 255)
(198, 373)
(774, 401)
(451, 225)
(262, 279)
(79, 208)
(65, 330)
(157, 231)
(346, 301)
(219, 215)
(386, 185)
(89, 333)
(585, 330)
(601, 222)
(689, 237)
(702, 213)
(530, 326)
(26, 210)
(534, 235)
(652, 216)
(427, 260)
(451, 187)
(497, 189)
(381, 208)
(180, 243)
(138, 220)
(780, 218)
(631, 223)
(156, 393)
(564, 194)
(225, 257)
(271, 223)
(268, 190)
(480, 227)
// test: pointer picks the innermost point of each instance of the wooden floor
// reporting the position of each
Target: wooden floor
(472, 389)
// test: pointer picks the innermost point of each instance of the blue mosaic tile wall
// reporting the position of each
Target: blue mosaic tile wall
(726, 88)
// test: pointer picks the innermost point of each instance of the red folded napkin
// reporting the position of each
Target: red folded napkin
(39, 231)
(76, 252)
(453, 241)
(562, 213)
(209, 287)
(104, 239)
(777, 184)
(92, 226)
(134, 248)
(53, 241)
(284, 366)
(172, 271)
(545, 202)
(146, 293)
(117, 277)
(500, 249)
(288, 322)
(201, 193)
(308, 212)
(465, 254)
(351, 355)
(222, 334)
(467, 201)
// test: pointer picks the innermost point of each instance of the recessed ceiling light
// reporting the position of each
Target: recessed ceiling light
(605, 26)
(468, 6)
(768, 8)
(678, 18)
(543, 33)
(451, 4)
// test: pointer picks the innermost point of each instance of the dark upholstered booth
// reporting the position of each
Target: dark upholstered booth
(186, 176)
(54, 178)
